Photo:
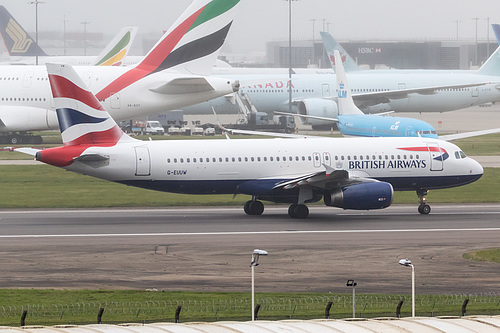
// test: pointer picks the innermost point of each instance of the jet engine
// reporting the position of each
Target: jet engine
(25, 118)
(364, 196)
(317, 107)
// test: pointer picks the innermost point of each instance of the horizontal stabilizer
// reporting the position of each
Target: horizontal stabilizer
(465, 135)
(91, 158)
(29, 151)
(184, 85)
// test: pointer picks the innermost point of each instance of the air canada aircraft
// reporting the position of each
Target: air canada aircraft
(351, 121)
(175, 73)
(23, 50)
(374, 91)
(350, 173)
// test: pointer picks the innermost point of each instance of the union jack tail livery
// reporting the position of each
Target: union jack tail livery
(82, 120)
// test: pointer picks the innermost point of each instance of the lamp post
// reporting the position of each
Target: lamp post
(255, 262)
(85, 23)
(290, 55)
(36, 25)
(351, 283)
(407, 263)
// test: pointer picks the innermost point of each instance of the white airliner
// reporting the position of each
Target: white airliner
(172, 75)
(350, 173)
(374, 91)
(23, 49)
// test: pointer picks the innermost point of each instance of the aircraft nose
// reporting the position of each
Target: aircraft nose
(475, 168)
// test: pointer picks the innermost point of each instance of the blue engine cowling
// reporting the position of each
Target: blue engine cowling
(364, 196)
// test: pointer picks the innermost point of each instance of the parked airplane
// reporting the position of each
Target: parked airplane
(351, 121)
(172, 75)
(23, 49)
(374, 91)
(350, 173)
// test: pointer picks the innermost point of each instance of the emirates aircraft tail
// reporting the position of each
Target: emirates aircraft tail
(190, 46)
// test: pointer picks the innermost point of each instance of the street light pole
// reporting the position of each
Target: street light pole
(85, 37)
(255, 262)
(36, 26)
(351, 283)
(407, 263)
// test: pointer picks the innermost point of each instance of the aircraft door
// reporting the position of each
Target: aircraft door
(27, 80)
(115, 101)
(436, 156)
(325, 90)
(408, 131)
(475, 91)
(142, 161)
(316, 160)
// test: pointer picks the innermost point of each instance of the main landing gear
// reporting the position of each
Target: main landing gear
(423, 208)
(296, 211)
(253, 207)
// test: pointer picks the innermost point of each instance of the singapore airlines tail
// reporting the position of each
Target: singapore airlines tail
(330, 45)
(17, 41)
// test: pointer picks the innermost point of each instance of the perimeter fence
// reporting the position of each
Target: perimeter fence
(269, 308)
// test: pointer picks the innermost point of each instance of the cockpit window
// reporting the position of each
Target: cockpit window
(457, 155)
(460, 154)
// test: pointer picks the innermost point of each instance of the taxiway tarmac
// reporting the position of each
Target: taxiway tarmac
(209, 249)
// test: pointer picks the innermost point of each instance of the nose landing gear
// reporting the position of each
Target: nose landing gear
(423, 208)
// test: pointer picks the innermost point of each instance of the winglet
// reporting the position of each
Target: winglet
(344, 100)
(17, 41)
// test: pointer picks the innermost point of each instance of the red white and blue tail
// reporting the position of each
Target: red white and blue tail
(82, 119)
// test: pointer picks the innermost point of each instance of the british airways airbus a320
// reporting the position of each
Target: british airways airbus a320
(350, 173)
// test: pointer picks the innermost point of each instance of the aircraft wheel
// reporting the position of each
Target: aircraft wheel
(424, 209)
(301, 211)
(291, 211)
(253, 208)
(246, 207)
(15, 140)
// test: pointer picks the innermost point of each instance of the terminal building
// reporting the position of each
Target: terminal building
(459, 55)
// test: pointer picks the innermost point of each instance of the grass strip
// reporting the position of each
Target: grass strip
(58, 307)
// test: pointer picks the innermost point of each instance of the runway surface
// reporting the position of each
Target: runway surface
(209, 249)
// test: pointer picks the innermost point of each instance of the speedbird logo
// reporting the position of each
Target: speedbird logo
(21, 41)
(342, 93)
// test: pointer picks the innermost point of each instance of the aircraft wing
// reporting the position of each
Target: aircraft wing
(333, 120)
(451, 137)
(184, 85)
(326, 179)
(378, 97)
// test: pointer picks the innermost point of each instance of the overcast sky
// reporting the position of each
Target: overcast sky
(259, 21)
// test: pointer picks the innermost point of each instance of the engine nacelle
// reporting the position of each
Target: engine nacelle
(25, 118)
(364, 196)
(317, 107)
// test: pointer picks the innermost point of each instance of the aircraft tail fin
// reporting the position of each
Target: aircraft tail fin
(17, 41)
(117, 49)
(492, 65)
(193, 42)
(330, 45)
(190, 46)
(344, 100)
(82, 119)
